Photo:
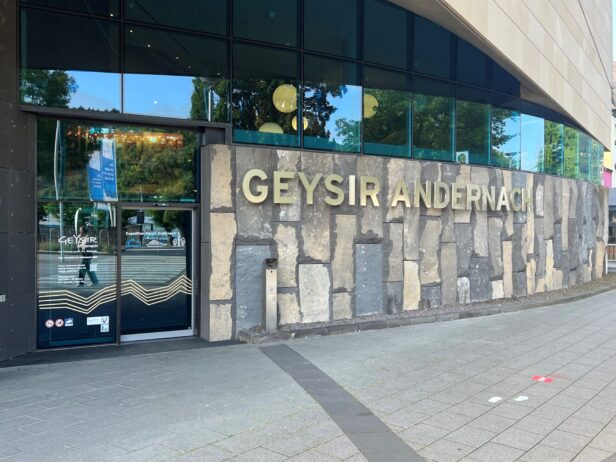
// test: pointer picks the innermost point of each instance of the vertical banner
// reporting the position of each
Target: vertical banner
(108, 164)
(102, 177)
(95, 177)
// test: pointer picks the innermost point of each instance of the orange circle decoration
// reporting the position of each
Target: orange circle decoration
(285, 98)
(271, 127)
(371, 105)
(294, 123)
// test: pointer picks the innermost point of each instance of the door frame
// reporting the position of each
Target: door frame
(194, 254)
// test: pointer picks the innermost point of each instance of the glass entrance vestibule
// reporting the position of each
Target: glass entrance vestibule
(117, 210)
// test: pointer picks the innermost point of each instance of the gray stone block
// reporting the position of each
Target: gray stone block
(429, 243)
(557, 243)
(286, 237)
(495, 231)
(289, 161)
(315, 228)
(314, 292)
(519, 181)
(464, 245)
(254, 221)
(343, 235)
(345, 166)
(370, 218)
(430, 297)
(519, 247)
(519, 284)
(368, 279)
(479, 278)
(249, 285)
(449, 273)
(395, 172)
(464, 291)
(564, 267)
(392, 249)
(392, 297)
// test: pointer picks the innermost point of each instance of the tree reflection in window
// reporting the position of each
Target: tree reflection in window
(152, 164)
(332, 105)
(505, 138)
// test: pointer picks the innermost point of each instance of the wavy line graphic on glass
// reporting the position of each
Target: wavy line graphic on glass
(65, 299)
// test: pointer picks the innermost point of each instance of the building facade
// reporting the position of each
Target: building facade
(391, 157)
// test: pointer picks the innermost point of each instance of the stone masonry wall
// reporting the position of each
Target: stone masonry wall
(349, 261)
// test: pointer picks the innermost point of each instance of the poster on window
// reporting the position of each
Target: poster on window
(102, 177)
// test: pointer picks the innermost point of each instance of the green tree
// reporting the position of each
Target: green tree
(553, 150)
(47, 88)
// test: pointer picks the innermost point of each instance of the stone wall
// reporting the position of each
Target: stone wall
(348, 261)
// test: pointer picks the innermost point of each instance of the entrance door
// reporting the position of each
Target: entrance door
(156, 273)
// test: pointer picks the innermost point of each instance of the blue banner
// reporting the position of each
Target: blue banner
(102, 178)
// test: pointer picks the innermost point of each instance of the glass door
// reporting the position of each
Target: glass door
(156, 273)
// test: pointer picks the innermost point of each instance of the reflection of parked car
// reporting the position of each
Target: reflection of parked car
(133, 243)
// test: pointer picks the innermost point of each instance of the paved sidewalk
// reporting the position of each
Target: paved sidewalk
(435, 386)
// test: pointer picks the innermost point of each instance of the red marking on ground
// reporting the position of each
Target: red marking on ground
(540, 378)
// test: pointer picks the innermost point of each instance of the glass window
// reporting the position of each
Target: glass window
(504, 82)
(433, 49)
(265, 95)
(332, 104)
(170, 74)
(532, 143)
(472, 65)
(387, 34)
(553, 140)
(84, 75)
(596, 166)
(387, 113)
(585, 156)
(572, 152)
(103, 162)
(76, 277)
(273, 21)
(472, 127)
(332, 27)
(505, 138)
(109, 8)
(433, 120)
(203, 15)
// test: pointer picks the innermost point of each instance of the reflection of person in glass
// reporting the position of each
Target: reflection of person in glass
(83, 244)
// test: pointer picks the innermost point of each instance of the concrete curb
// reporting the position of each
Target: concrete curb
(257, 336)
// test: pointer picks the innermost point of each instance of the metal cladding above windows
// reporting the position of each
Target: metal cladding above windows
(357, 76)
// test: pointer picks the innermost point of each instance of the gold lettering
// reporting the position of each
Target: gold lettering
(440, 187)
(337, 190)
(527, 200)
(281, 185)
(516, 204)
(401, 194)
(309, 186)
(352, 193)
(423, 192)
(488, 196)
(262, 190)
(473, 196)
(456, 196)
(365, 192)
(503, 200)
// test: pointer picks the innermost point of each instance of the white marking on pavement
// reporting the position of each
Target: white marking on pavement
(495, 399)
(521, 398)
